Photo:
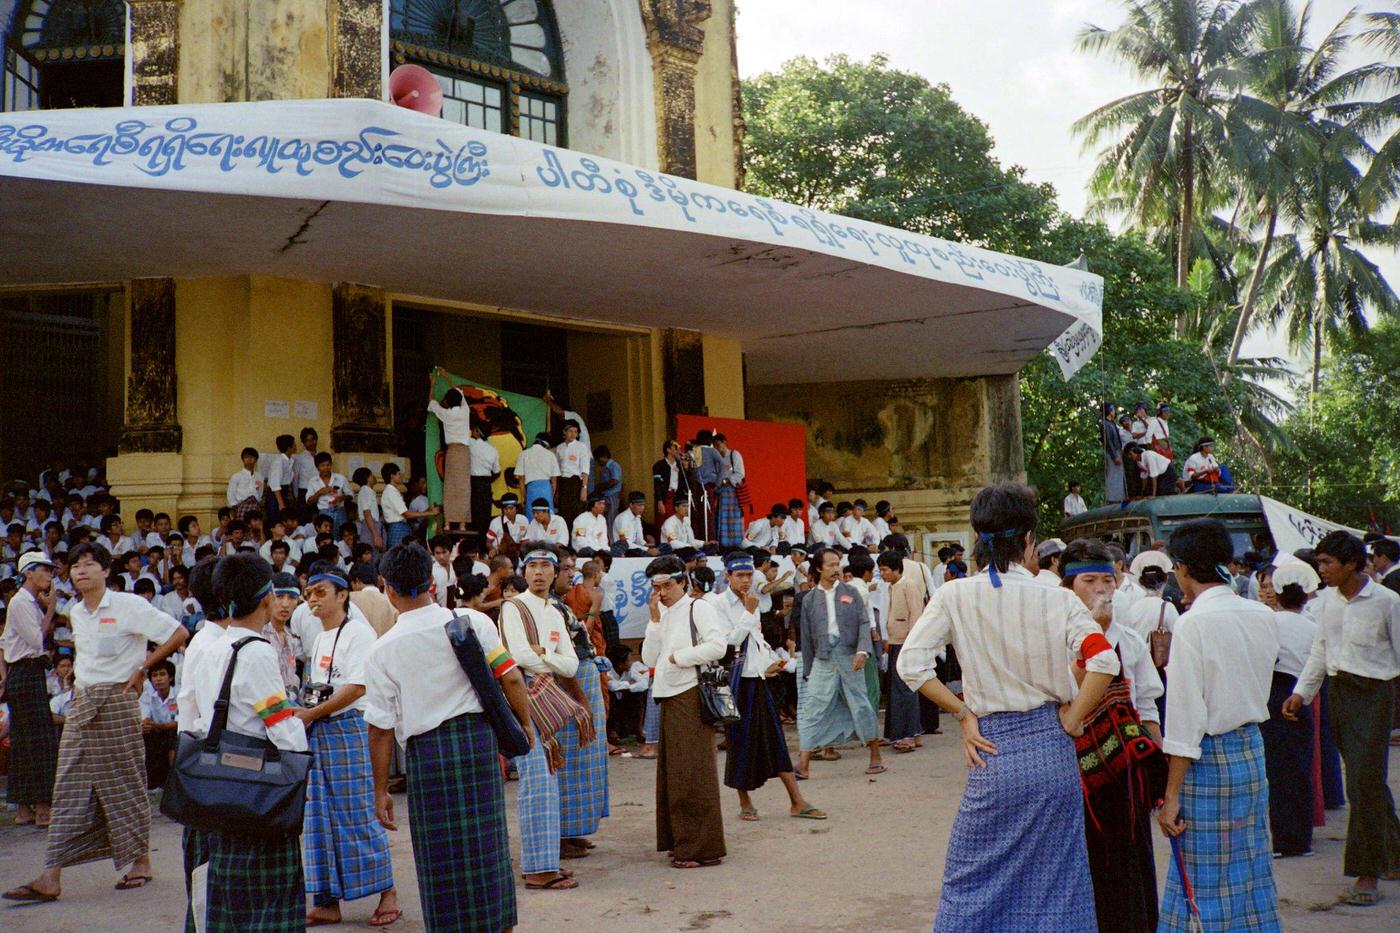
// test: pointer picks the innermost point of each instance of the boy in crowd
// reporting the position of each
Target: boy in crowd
(158, 727)
(145, 523)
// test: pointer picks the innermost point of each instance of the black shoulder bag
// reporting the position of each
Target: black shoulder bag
(236, 785)
(510, 737)
(717, 706)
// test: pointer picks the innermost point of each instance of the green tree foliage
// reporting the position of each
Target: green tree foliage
(1347, 464)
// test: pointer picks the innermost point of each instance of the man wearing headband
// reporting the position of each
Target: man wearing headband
(766, 531)
(1119, 838)
(1357, 651)
(689, 824)
(286, 596)
(591, 526)
(1219, 675)
(827, 532)
(416, 691)
(629, 535)
(1202, 471)
(100, 755)
(574, 462)
(677, 531)
(1159, 435)
(537, 470)
(545, 529)
(508, 529)
(541, 647)
(757, 748)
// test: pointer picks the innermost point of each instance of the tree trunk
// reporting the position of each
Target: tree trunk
(1317, 352)
(1188, 211)
(1256, 278)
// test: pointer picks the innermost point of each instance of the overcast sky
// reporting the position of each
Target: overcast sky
(1012, 63)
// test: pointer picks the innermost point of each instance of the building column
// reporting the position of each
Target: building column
(154, 52)
(357, 66)
(362, 408)
(682, 375)
(151, 424)
(675, 38)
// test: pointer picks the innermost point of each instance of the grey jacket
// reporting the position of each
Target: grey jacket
(711, 467)
(852, 620)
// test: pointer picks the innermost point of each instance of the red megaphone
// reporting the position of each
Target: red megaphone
(415, 87)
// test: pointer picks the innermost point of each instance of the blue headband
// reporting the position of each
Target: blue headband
(739, 565)
(335, 578)
(540, 555)
(285, 591)
(257, 598)
(1085, 566)
(987, 537)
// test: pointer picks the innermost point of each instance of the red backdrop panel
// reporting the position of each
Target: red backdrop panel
(775, 456)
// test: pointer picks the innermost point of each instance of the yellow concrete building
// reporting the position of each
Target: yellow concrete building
(165, 332)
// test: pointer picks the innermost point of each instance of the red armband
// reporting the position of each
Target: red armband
(1092, 645)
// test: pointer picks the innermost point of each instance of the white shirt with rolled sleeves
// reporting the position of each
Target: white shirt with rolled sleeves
(331, 500)
(1221, 669)
(118, 548)
(1015, 643)
(559, 656)
(1296, 633)
(761, 533)
(574, 458)
(413, 683)
(304, 469)
(1157, 430)
(1152, 464)
(829, 534)
(23, 635)
(244, 485)
(280, 473)
(391, 504)
(1074, 505)
(556, 532)
(1142, 615)
(535, 463)
(110, 641)
(591, 531)
(1138, 670)
(859, 531)
(495, 534)
(671, 636)
(793, 531)
(456, 422)
(1199, 464)
(1360, 635)
(258, 703)
(486, 459)
(678, 532)
(743, 624)
(366, 501)
(628, 528)
(343, 662)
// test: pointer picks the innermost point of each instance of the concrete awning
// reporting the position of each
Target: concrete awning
(362, 191)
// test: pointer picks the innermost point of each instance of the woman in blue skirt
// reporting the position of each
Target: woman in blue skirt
(1017, 858)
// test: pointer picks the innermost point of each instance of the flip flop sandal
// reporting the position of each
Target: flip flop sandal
(132, 882)
(25, 893)
(902, 749)
(1359, 898)
(690, 863)
(830, 754)
(800, 775)
(877, 769)
(557, 883)
(811, 813)
(748, 814)
(378, 919)
(563, 871)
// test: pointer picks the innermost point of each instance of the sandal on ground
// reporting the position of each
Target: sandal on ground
(384, 918)
(559, 882)
(691, 863)
(800, 775)
(131, 882)
(748, 814)
(829, 754)
(1357, 897)
(563, 871)
(650, 757)
(810, 813)
(876, 769)
(26, 893)
(571, 852)
(903, 747)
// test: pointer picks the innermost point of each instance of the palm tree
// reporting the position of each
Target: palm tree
(1382, 181)
(1173, 145)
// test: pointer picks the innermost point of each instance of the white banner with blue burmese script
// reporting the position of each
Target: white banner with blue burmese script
(364, 151)
(1293, 529)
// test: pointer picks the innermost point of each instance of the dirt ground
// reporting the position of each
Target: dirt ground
(875, 865)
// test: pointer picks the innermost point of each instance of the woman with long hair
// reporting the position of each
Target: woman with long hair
(1017, 857)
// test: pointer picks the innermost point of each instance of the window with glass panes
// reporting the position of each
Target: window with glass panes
(473, 103)
(21, 83)
(539, 119)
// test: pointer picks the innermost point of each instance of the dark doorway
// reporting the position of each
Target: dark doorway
(534, 360)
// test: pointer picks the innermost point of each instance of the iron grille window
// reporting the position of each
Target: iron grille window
(21, 88)
(540, 119)
(473, 103)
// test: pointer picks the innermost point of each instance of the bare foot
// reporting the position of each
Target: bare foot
(322, 916)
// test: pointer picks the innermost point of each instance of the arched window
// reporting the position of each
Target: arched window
(64, 53)
(499, 62)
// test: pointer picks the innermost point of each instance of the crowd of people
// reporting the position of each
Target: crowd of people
(1139, 461)
(1089, 690)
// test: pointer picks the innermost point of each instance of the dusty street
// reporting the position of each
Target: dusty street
(874, 865)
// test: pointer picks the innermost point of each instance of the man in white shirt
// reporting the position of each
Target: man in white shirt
(304, 463)
(535, 633)
(676, 531)
(826, 532)
(767, 532)
(1218, 679)
(23, 662)
(281, 478)
(1201, 469)
(1157, 472)
(1159, 435)
(574, 463)
(326, 490)
(485, 468)
(510, 526)
(102, 753)
(1074, 502)
(591, 526)
(1047, 556)
(1357, 649)
(245, 488)
(546, 527)
(794, 531)
(858, 529)
(415, 687)
(537, 471)
(629, 535)
(444, 577)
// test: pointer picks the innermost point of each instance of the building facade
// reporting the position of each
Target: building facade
(169, 377)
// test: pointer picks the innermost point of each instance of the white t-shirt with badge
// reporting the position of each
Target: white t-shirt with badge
(110, 640)
(342, 662)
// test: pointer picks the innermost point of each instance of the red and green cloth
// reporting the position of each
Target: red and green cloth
(273, 709)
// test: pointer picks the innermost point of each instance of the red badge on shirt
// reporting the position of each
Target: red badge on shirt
(846, 599)
(554, 638)
(107, 620)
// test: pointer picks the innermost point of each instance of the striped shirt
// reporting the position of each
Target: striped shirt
(1015, 643)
